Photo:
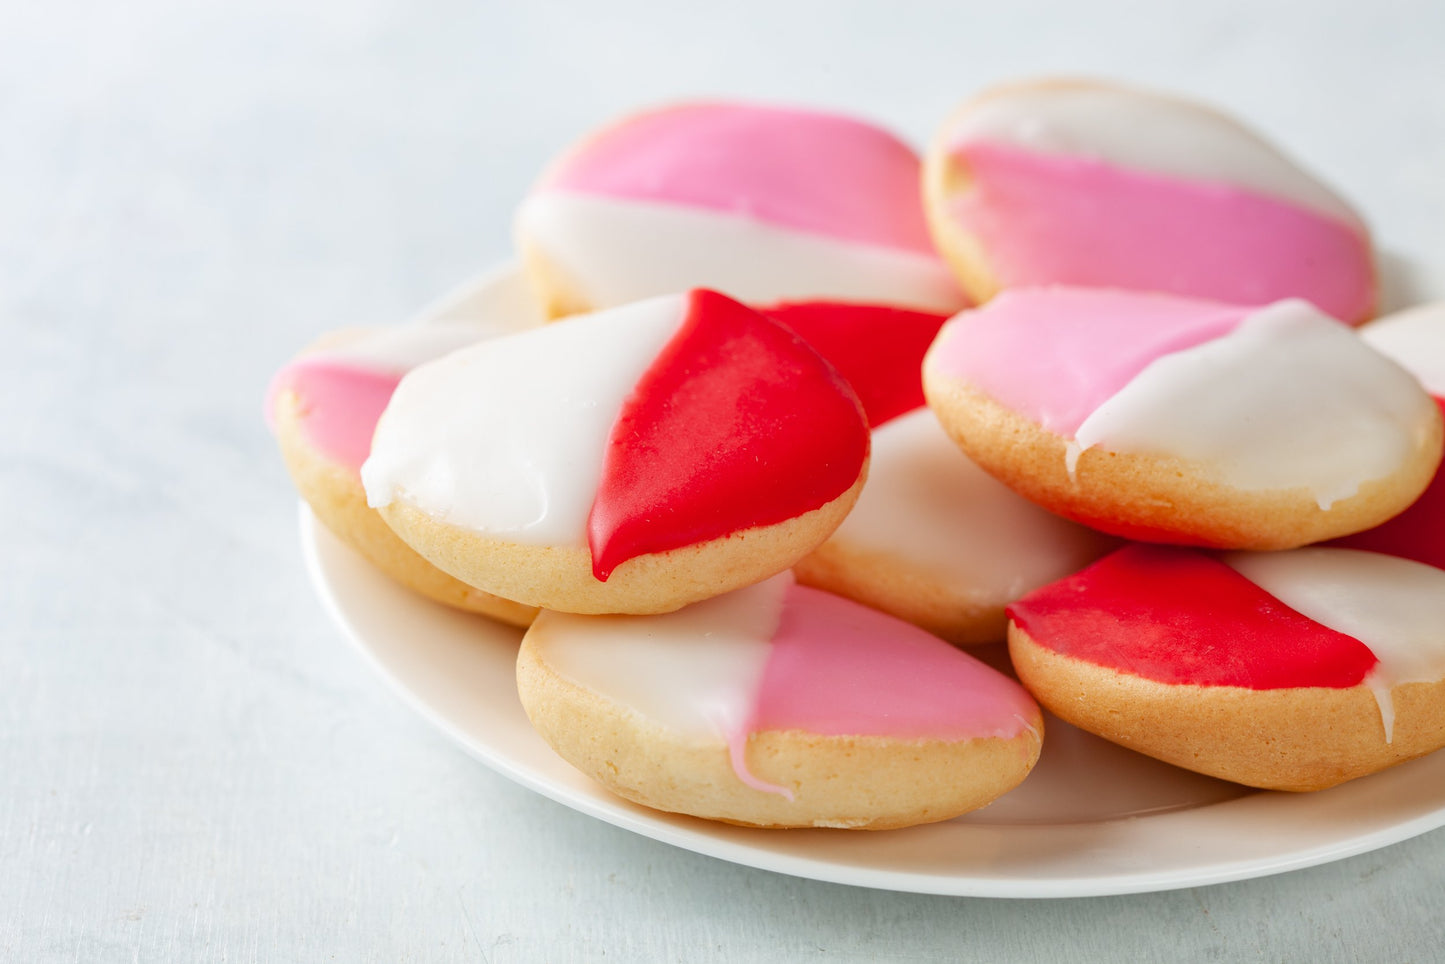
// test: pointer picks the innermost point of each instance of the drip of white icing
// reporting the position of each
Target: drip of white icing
(1144, 131)
(926, 501)
(1396, 607)
(1415, 338)
(618, 250)
(1290, 398)
(507, 437)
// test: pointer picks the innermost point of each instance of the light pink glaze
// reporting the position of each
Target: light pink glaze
(820, 173)
(1058, 219)
(338, 403)
(838, 668)
(1097, 341)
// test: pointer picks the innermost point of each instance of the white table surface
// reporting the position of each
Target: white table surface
(193, 764)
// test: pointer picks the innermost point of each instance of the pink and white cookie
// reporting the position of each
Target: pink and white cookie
(1087, 183)
(323, 407)
(764, 203)
(778, 705)
(1293, 670)
(1416, 339)
(933, 539)
(1173, 419)
(630, 460)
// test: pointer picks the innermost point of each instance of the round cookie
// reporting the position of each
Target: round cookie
(1291, 670)
(629, 460)
(1172, 419)
(933, 538)
(1087, 183)
(778, 705)
(1415, 338)
(323, 407)
(939, 542)
(764, 203)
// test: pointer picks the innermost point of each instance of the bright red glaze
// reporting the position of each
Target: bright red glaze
(877, 349)
(1180, 616)
(738, 423)
(1417, 533)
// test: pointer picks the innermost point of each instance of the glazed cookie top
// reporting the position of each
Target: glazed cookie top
(342, 388)
(658, 425)
(765, 203)
(1315, 616)
(779, 656)
(1150, 192)
(928, 502)
(878, 350)
(1272, 398)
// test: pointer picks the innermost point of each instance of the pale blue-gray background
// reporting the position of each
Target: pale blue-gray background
(193, 765)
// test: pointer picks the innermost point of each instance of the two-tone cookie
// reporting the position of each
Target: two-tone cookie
(629, 460)
(1087, 183)
(763, 203)
(778, 705)
(1292, 670)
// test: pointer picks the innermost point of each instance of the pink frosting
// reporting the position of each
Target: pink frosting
(841, 669)
(339, 405)
(1055, 355)
(820, 173)
(1059, 219)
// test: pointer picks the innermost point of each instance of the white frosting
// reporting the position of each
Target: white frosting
(695, 671)
(1396, 607)
(1416, 339)
(619, 250)
(1289, 398)
(1144, 131)
(929, 503)
(508, 437)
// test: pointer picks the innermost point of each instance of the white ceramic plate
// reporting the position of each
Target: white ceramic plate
(1091, 819)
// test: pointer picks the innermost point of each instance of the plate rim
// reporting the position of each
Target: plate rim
(739, 845)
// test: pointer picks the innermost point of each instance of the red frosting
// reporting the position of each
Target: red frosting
(1180, 616)
(879, 350)
(737, 424)
(1417, 533)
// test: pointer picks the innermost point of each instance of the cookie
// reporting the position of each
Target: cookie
(1415, 338)
(1172, 419)
(933, 538)
(323, 407)
(763, 203)
(778, 706)
(1087, 183)
(1291, 670)
(629, 460)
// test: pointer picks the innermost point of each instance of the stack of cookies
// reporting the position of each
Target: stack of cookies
(794, 418)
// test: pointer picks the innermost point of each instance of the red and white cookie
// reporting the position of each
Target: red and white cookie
(933, 538)
(1290, 670)
(1416, 339)
(323, 407)
(630, 460)
(763, 203)
(1174, 419)
(1087, 183)
(778, 705)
